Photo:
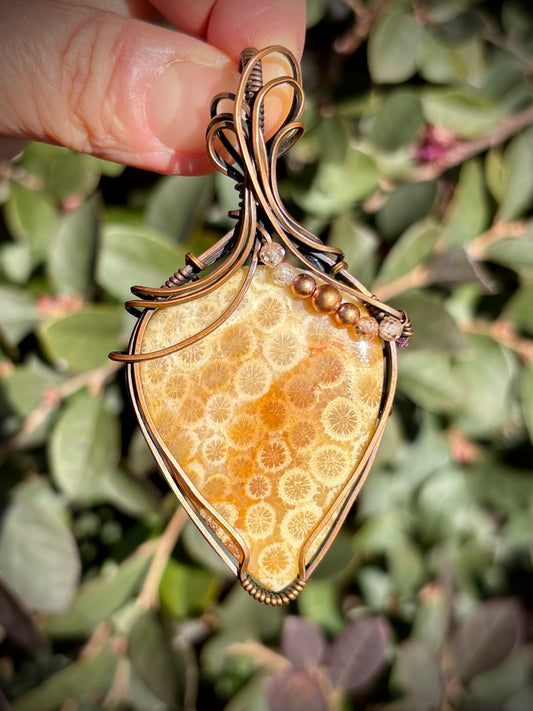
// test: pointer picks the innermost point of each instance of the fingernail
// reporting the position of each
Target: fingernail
(180, 100)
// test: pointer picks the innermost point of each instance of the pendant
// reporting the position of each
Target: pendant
(262, 373)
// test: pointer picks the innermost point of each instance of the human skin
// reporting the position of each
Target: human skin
(131, 80)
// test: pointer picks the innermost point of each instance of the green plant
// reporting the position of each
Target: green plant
(418, 162)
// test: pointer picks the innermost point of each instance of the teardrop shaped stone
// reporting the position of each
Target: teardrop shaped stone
(267, 417)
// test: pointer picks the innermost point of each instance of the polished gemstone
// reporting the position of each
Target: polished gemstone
(283, 274)
(267, 417)
(390, 329)
(272, 254)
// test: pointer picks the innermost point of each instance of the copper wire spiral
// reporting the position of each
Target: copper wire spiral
(238, 147)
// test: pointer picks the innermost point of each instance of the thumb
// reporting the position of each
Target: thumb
(115, 87)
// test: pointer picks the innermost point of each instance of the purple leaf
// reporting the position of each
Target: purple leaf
(488, 637)
(18, 622)
(295, 690)
(358, 654)
(302, 643)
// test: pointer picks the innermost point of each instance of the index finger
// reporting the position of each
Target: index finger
(233, 25)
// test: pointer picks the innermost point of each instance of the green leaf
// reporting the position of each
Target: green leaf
(432, 617)
(200, 551)
(71, 256)
(81, 341)
(488, 637)
(417, 672)
(467, 215)
(321, 606)
(513, 252)
(31, 217)
(429, 380)
(445, 503)
(139, 499)
(407, 569)
(429, 452)
(18, 315)
(105, 167)
(465, 111)
(455, 266)
(380, 533)
(64, 173)
(495, 174)
(251, 697)
(375, 587)
(394, 47)
(38, 554)
(337, 559)
(23, 389)
(435, 329)
(519, 308)
(398, 121)
(506, 680)
(315, 11)
(89, 678)
(16, 262)
(516, 19)
(504, 83)
(84, 448)
(151, 658)
(177, 203)
(359, 244)
(518, 177)
(502, 488)
(485, 375)
(134, 255)
(526, 394)
(97, 599)
(140, 459)
(414, 247)
(405, 206)
(443, 63)
(185, 591)
(338, 185)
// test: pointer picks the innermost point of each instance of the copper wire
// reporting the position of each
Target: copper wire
(239, 137)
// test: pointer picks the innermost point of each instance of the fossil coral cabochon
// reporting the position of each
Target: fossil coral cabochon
(265, 419)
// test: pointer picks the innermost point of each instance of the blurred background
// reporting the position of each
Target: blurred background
(418, 162)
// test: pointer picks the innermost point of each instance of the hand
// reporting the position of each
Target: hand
(99, 76)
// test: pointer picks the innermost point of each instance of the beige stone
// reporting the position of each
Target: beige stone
(267, 417)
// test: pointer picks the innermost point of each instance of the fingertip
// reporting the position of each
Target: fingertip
(237, 24)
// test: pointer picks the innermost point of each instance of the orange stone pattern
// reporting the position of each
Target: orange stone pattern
(268, 416)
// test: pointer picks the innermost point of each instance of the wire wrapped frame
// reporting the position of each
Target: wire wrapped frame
(239, 148)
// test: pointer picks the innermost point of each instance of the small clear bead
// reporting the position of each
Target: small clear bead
(390, 328)
(283, 274)
(367, 328)
(272, 254)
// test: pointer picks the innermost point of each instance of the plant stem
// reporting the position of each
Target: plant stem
(148, 598)
(508, 127)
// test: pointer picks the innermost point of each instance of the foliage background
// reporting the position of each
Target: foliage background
(418, 162)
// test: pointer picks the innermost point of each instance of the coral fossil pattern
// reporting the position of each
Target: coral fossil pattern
(267, 416)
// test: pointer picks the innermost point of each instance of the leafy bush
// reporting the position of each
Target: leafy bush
(418, 163)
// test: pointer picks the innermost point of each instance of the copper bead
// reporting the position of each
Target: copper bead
(347, 314)
(326, 298)
(303, 286)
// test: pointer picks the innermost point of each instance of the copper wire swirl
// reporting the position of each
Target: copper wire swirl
(238, 147)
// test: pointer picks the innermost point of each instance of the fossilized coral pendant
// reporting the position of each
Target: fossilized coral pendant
(263, 387)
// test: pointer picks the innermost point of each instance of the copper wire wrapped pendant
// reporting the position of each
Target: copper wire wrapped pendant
(263, 384)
